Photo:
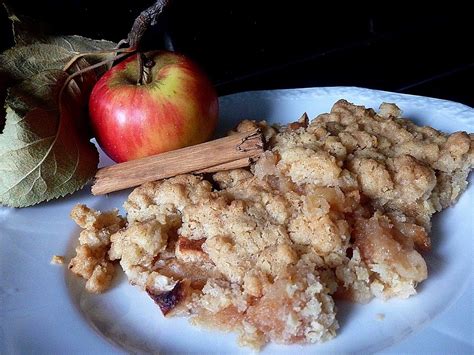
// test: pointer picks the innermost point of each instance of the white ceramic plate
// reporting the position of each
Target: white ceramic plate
(43, 309)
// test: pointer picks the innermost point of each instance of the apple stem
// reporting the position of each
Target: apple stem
(144, 66)
(147, 18)
(147, 71)
(141, 73)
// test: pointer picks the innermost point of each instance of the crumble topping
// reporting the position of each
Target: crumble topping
(338, 208)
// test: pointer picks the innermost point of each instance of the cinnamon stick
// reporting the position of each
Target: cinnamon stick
(236, 164)
(221, 154)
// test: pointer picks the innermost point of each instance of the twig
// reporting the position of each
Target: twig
(141, 24)
(146, 19)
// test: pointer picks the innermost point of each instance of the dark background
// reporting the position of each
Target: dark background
(249, 45)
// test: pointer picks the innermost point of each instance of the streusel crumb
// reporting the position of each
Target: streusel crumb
(57, 260)
(91, 261)
(338, 208)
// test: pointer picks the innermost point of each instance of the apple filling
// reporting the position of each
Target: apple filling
(338, 208)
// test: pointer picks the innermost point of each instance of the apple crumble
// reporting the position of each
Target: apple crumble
(339, 207)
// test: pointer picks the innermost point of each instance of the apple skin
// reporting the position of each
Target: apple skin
(178, 108)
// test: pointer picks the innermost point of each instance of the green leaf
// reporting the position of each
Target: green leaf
(79, 44)
(23, 62)
(45, 151)
(27, 31)
(42, 153)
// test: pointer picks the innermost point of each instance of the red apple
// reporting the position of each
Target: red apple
(178, 107)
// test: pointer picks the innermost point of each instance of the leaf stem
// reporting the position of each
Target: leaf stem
(84, 54)
(82, 71)
(99, 64)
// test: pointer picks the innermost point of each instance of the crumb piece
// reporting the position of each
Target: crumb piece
(91, 261)
(57, 260)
